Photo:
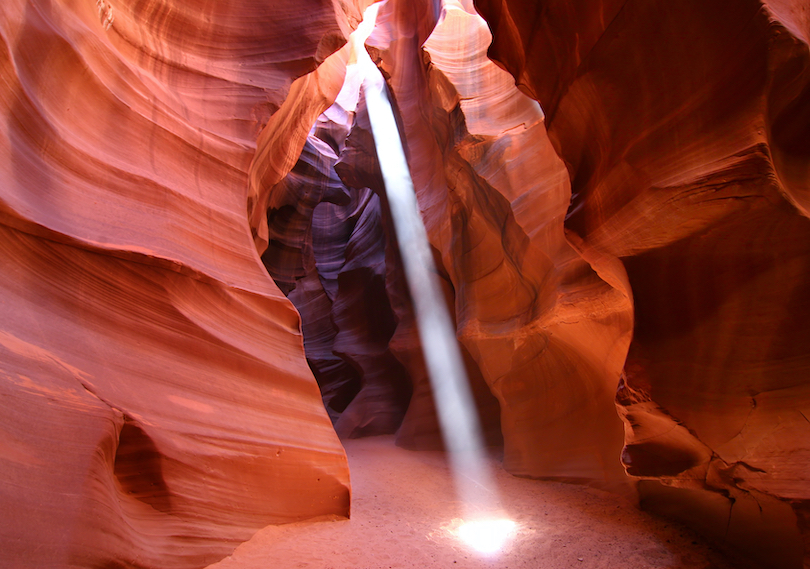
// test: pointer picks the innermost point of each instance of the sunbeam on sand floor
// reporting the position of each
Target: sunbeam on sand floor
(405, 515)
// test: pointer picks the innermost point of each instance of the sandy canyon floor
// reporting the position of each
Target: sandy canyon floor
(405, 515)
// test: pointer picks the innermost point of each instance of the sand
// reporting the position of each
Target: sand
(405, 515)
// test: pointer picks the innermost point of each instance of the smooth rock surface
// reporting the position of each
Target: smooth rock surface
(686, 141)
(156, 405)
(547, 331)
(628, 267)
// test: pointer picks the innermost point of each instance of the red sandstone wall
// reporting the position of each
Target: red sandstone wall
(156, 406)
(685, 133)
(543, 330)
(547, 332)
(155, 390)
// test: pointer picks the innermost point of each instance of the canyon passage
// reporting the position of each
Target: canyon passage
(205, 319)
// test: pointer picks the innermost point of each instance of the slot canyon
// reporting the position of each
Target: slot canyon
(205, 317)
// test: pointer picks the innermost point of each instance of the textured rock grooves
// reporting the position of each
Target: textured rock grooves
(629, 275)
(686, 140)
(156, 406)
(539, 327)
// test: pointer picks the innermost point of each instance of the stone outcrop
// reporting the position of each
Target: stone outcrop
(685, 134)
(628, 267)
(156, 405)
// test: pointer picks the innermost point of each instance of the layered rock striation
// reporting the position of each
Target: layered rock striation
(156, 405)
(685, 135)
(541, 329)
(327, 251)
(628, 273)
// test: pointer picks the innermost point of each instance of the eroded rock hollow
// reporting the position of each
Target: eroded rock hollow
(201, 290)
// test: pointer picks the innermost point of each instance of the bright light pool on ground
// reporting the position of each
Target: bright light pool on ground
(487, 536)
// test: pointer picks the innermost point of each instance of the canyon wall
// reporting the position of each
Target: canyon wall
(667, 201)
(156, 405)
(543, 330)
(685, 133)
(546, 331)
(627, 267)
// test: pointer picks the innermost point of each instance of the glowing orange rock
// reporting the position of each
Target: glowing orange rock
(156, 405)
(685, 139)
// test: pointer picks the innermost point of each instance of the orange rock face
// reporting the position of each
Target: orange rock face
(541, 329)
(156, 404)
(493, 195)
(686, 140)
(628, 266)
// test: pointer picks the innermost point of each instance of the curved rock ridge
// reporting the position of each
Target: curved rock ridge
(487, 95)
(157, 408)
(543, 331)
(540, 328)
(685, 137)
(548, 334)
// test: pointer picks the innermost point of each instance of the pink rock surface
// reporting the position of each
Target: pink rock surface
(546, 332)
(157, 408)
(686, 141)
(628, 273)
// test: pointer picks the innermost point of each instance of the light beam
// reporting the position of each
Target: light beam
(454, 401)
(487, 536)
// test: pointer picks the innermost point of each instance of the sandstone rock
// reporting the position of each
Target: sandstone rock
(157, 408)
(686, 140)
(547, 333)
(542, 329)
(156, 156)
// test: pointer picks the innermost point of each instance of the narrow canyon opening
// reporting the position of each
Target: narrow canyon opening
(626, 271)
(332, 247)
